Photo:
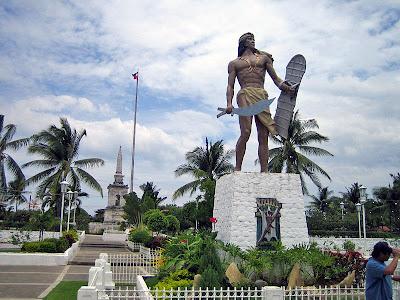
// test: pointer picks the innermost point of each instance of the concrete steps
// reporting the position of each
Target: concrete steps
(91, 247)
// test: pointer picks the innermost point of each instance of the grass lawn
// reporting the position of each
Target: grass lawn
(65, 290)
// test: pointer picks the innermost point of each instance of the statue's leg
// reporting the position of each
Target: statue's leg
(262, 133)
(245, 130)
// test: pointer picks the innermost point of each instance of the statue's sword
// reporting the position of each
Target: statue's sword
(250, 110)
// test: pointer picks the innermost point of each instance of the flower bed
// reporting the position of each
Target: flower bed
(194, 261)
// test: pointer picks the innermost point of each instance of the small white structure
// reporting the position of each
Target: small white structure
(252, 208)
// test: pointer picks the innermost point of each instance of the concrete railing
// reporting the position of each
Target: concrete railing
(142, 286)
(100, 280)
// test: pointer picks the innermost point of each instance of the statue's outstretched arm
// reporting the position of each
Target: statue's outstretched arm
(272, 73)
(281, 84)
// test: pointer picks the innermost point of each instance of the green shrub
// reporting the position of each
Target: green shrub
(30, 246)
(47, 247)
(156, 221)
(173, 224)
(210, 278)
(349, 245)
(43, 246)
(71, 236)
(210, 266)
(50, 245)
(62, 244)
(173, 284)
(179, 278)
(140, 236)
(148, 213)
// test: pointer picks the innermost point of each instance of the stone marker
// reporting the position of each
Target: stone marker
(349, 279)
(294, 278)
(233, 274)
(196, 281)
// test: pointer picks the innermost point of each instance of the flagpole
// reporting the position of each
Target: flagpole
(134, 133)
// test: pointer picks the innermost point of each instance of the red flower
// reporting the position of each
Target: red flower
(183, 241)
(213, 220)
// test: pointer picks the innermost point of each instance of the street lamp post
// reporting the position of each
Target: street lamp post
(342, 208)
(70, 195)
(75, 200)
(64, 185)
(363, 200)
(358, 207)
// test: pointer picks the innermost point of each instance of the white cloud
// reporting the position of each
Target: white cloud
(75, 58)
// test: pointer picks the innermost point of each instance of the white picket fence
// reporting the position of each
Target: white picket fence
(267, 293)
(179, 294)
(126, 267)
(328, 293)
(134, 246)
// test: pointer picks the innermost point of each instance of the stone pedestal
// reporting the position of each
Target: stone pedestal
(238, 196)
(113, 215)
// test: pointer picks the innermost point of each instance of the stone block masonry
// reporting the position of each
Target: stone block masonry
(235, 207)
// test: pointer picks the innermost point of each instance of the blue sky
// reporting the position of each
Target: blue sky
(75, 58)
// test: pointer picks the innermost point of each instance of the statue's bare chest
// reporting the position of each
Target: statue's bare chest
(253, 63)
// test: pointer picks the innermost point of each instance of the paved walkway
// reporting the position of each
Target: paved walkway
(26, 282)
(34, 282)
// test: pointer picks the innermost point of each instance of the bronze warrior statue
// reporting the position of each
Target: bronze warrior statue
(249, 68)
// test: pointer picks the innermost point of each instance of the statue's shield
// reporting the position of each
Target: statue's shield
(286, 102)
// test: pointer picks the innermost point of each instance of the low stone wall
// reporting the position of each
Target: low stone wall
(25, 236)
(41, 259)
(98, 228)
(362, 245)
(115, 237)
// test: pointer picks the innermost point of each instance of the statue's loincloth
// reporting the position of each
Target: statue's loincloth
(253, 95)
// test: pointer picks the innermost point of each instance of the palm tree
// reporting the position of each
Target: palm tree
(210, 162)
(151, 190)
(6, 143)
(290, 155)
(389, 200)
(320, 202)
(59, 148)
(15, 192)
(352, 193)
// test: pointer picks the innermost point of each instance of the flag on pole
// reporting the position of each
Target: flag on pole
(136, 76)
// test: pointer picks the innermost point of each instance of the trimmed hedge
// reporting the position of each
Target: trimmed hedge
(140, 236)
(46, 246)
